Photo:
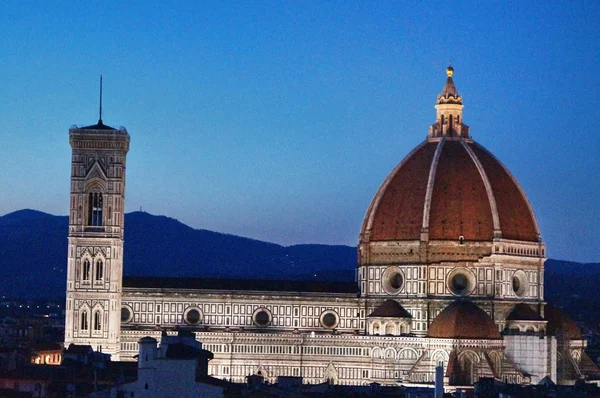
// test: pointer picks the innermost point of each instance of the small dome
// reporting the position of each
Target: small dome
(523, 312)
(560, 325)
(390, 309)
(463, 320)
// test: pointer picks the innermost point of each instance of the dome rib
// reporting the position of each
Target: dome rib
(430, 182)
(396, 211)
(517, 220)
(488, 189)
(460, 205)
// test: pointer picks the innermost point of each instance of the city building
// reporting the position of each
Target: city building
(450, 271)
(176, 368)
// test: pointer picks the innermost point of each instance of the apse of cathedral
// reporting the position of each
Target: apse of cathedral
(450, 271)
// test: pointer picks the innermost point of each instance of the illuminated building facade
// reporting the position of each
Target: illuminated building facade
(450, 270)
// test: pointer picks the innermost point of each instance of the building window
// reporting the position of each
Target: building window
(392, 280)
(99, 270)
(86, 270)
(329, 319)
(262, 317)
(461, 282)
(97, 321)
(84, 320)
(95, 211)
(126, 314)
(193, 316)
(519, 283)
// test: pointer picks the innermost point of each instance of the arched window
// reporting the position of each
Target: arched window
(95, 209)
(99, 270)
(97, 321)
(389, 328)
(86, 270)
(84, 320)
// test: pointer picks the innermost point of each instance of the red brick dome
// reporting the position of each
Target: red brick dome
(560, 325)
(450, 187)
(463, 320)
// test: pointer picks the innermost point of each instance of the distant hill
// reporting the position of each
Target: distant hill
(33, 249)
(574, 287)
(33, 254)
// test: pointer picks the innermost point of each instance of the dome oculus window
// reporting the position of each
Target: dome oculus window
(262, 317)
(516, 284)
(126, 314)
(519, 283)
(392, 280)
(461, 282)
(329, 319)
(192, 316)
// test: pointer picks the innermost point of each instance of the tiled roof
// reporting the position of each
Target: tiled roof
(184, 351)
(560, 325)
(516, 218)
(463, 320)
(79, 349)
(460, 204)
(523, 312)
(390, 309)
(239, 284)
(398, 215)
(453, 365)
(98, 126)
(588, 367)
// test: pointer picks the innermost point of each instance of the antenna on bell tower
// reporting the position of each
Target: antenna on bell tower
(100, 118)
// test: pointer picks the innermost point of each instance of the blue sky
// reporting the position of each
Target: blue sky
(279, 120)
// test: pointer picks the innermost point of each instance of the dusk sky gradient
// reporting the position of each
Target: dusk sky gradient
(279, 120)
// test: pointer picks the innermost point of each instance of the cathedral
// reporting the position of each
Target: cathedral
(450, 271)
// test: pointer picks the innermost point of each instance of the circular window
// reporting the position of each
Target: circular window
(262, 317)
(396, 281)
(392, 280)
(516, 284)
(329, 319)
(126, 314)
(193, 316)
(461, 282)
(519, 283)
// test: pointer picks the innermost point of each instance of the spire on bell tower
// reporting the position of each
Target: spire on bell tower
(449, 107)
(100, 117)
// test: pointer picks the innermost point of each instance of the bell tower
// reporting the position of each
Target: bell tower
(96, 220)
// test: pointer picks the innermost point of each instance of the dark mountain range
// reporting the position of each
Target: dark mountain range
(33, 249)
(33, 254)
